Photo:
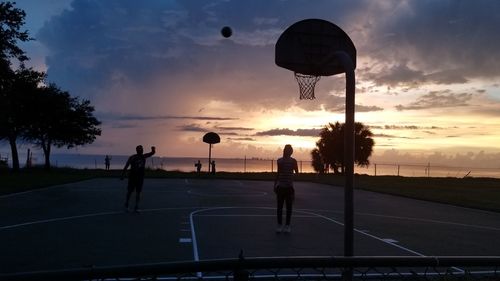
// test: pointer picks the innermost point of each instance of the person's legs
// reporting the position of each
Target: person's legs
(280, 200)
(289, 204)
(130, 189)
(138, 194)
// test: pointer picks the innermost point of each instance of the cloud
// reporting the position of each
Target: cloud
(437, 100)
(111, 116)
(242, 139)
(136, 55)
(289, 132)
(234, 128)
(191, 128)
(394, 137)
(405, 127)
(443, 42)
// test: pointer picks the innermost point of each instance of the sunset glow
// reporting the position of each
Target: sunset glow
(427, 77)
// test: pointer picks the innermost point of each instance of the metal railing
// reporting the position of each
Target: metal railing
(288, 268)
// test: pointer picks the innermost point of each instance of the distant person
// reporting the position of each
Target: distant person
(107, 161)
(137, 163)
(283, 187)
(198, 166)
(213, 167)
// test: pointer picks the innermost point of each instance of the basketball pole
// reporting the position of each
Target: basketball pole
(209, 156)
(349, 132)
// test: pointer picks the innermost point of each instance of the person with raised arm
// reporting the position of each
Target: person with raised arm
(137, 163)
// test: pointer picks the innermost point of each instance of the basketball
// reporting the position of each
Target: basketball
(226, 31)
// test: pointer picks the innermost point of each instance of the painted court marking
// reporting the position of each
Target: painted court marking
(390, 242)
(311, 214)
(227, 194)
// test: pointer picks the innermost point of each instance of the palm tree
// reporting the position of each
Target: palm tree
(330, 146)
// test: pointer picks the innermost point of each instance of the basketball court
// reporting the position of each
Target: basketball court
(83, 224)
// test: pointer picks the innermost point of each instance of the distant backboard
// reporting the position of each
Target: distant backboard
(211, 138)
(308, 46)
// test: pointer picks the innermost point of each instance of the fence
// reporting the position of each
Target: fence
(186, 164)
(289, 268)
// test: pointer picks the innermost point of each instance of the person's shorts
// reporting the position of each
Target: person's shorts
(135, 184)
(285, 191)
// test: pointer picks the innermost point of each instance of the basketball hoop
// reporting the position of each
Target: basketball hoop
(306, 85)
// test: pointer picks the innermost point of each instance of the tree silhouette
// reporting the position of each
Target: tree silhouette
(15, 113)
(330, 146)
(11, 21)
(317, 161)
(61, 120)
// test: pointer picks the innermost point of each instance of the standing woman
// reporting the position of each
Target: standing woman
(283, 187)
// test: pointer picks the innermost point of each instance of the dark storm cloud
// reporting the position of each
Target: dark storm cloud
(289, 132)
(437, 100)
(96, 48)
(444, 41)
(402, 75)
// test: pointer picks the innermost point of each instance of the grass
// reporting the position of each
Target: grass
(479, 193)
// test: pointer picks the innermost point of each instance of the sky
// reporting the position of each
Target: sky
(159, 73)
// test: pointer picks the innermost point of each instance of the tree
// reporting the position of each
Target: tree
(15, 100)
(317, 161)
(330, 146)
(11, 21)
(61, 120)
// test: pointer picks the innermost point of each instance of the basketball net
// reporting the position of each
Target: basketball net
(306, 85)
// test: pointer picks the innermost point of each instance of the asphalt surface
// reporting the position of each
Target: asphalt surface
(84, 224)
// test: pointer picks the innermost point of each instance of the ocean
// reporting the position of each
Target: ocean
(186, 164)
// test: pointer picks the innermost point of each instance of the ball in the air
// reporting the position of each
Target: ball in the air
(226, 31)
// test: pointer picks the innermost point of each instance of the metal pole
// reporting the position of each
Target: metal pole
(348, 65)
(209, 156)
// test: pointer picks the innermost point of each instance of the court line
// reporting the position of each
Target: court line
(31, 191)
(88, 216)
(59, 219)
(411, 219)
(433, 221)
(304, 212)
(229, 194)
(383, 240)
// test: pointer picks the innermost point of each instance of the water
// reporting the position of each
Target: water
(186, 164)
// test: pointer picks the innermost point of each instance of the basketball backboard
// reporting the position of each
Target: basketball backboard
(308, 47)
(211, 138)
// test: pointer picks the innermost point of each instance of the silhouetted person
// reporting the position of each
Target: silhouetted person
(198, 166)
(137, 163)
(107, 161)
(213, 167)
(283, 187)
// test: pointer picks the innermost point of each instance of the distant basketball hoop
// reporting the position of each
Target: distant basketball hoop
(211, 138)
